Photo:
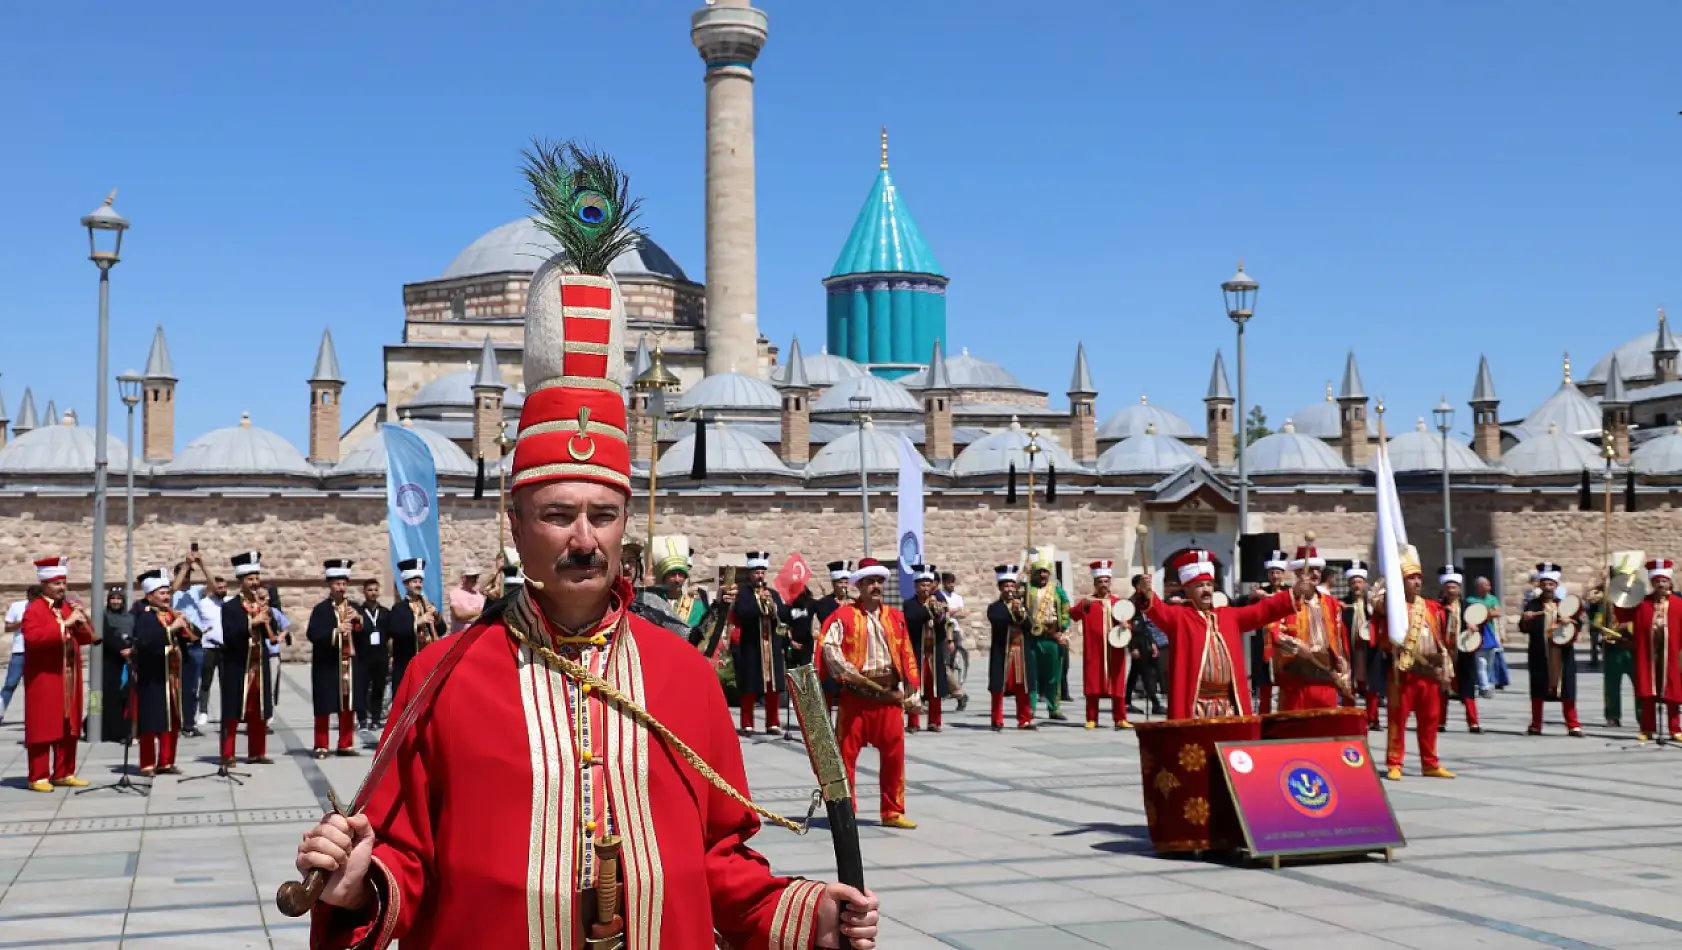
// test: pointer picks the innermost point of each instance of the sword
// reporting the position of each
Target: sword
(295, 898)
(831, 773)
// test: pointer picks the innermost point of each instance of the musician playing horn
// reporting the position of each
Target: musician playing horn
(159, 633)
(929, 625)
(1451, 583)
(1657, 629)
(1103, 662)
(1010, 664)
(1309, 656)
(248, 628)
(759, 645)
(1048, 631)
(332, 632)
(1553, 665)
(1421, 669)
(414, 621)
(1278, 567)
(1368, 661)
(54, 630)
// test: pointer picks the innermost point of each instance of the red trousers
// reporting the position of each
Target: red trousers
(1024, 710)
(1118, 708)
(773, 710)
(157, 749)
(1647, 711)
(1307, 696)
(1421, 697)
(914, 719)
(62, 754)
(1569, 708)
(1471, 712)
(1372, 710)
(866, 722)
(1264, 700)
(256, 731)
(347, 730)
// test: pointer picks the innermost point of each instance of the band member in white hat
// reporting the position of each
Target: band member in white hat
(1451, 581)
(1278, 566)
(1658, 650)
(248, 628)
(332, 631)
(1103, 664)
(1368, 660)
(926, 621)
(759, 645)
(54, 630)
(1308, 652)
(1553, 666)
(1010, 664)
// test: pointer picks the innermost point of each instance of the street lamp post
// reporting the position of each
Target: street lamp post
(1240, 295)
(105, 244)
(656, 382)
(128, 387)
(861, 406)
(1445, 421)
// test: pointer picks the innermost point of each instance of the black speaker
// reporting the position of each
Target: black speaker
(1253, 551)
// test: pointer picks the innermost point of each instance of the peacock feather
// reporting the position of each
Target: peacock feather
(581, 199)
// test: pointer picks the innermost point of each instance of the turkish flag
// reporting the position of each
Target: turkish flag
(792, 579)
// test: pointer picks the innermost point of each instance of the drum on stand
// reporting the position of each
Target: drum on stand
(1343, 722)
(1188, 804)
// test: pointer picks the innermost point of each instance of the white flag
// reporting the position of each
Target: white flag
(910, 548)
(1392, 537)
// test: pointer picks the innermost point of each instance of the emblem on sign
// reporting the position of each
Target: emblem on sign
(1240, 762)
(1308, 789)
(1354, 756)
(413, 504)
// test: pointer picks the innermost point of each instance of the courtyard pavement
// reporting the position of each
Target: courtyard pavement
(1028, 840)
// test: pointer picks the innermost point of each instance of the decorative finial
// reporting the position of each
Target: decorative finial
(1329, 391)
(1150, 428)
(1607, 451)
(245, 420)
(110, 197)
(1380, 407)
(1309, 536)
(1142, 529)
(1241, 263)
(1144, 400)
(884, 148)
(1567, 367)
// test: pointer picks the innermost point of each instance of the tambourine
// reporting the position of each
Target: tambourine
(1220, 599)
(1123, 611)
(1471, 635)
(1570, 605)
(1564, 633)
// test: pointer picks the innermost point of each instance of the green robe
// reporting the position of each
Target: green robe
(1047, 664)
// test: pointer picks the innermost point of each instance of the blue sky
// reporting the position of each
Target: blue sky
(1421, 182)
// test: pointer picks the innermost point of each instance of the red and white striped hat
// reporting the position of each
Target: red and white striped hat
(52, 568)
(1661, 567)
(1195, 565)
(1103, 567)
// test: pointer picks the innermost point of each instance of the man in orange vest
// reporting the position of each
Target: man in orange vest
(1307, 648)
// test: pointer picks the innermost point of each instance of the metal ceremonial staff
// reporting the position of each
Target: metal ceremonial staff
(503, 443)
(831, 772)
(1607, 452)
(1032, 449)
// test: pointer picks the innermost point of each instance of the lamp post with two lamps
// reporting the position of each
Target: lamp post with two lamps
(128, 387)
(1445, 422)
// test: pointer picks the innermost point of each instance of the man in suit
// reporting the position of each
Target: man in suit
(373, 641)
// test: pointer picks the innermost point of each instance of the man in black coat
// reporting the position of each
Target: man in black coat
(373, 662)
(248, 627)
(840, 579)
(1010, 664)
(332, 631)
(158, 635)
(925, 621)
(412, 619)
(758, 650)
(119, 632)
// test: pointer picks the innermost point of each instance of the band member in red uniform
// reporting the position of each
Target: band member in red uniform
(1451, 581)
(248, 628)
(332, 631)
(1368, 660)
(159, 634)
(1421, 668)
(1553, 666)
(867, 649)
(1310, 665)
(1010, 664)
(1278, 566)
(1206, 643)
(1103, 665)
(759, 645)
(483, 832)
(54, 630)
(1657, 632)
(931, 642)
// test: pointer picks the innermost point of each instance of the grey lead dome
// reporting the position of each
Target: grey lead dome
(518, 247)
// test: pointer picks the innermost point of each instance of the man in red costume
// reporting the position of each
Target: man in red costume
(1308, 649)
(482, 833)
(54, 630)
(1104, 665)
(1658, 651)
(1206, 643)
(867, 649)
(1421, 667)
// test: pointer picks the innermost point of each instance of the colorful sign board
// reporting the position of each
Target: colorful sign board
(1309, 796)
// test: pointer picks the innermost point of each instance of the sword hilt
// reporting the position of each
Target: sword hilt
(296, 898)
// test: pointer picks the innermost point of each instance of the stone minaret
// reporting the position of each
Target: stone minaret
(729, 35)
(4, 420)
(157, 413)
(488, 390)
(1486, 419)
(325, 386)
(797, 410)
(26, 414)
(1614, 411)
(641, 418)
(1218, 416)
(937, 410)
(1352, 417)
(1083, 405)
(1664, 353)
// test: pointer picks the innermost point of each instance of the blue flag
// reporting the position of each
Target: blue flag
(411, 493)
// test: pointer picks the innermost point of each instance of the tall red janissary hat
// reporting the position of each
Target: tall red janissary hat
(573, 425)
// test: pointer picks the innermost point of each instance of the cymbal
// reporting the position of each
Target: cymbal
(1627, 590)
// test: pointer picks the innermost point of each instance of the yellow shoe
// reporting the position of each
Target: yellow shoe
(1676, 737)
(899, 821)
(1124, 724)
(1394, 775)
(71, 781)
(1643, 737)
(1438, 772)
(1091, 725)
(40, 786)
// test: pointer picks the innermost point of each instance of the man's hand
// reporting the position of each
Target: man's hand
(856, 924)
(1290, 646)
(342, 847)
(1304, 588)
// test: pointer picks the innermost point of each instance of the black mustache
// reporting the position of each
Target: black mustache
(581, 561)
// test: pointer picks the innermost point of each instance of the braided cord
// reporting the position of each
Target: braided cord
(591, 682)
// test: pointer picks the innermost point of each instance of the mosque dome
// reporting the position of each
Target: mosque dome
(368, 456)
(1290, 451)
(455, 391)
(521, 247)
(730, 452)
(1148, 453)
(1323, 419)
(841, 456)
(732, 391)
(1635, 360)
(885, 396)
(1552, 453)
(1574, 413)
(1139, 418)
(61, 449)
(1660, 456)
(996, 452)
(968, 372)
(240, 450)
(1422, 451)
(823, 369)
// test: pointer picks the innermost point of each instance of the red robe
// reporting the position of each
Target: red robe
(1188, 644)
(479, 821)
(1648, 662)
(1288, 674)
(1104, 667)
(52, 672)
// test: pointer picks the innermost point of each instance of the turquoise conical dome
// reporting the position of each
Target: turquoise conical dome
(886, 293)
